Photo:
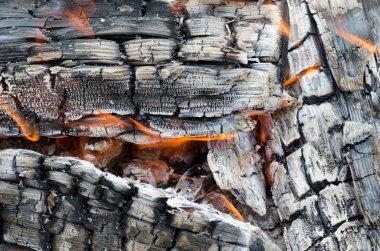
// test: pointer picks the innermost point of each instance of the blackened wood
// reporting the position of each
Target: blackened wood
(126, 215)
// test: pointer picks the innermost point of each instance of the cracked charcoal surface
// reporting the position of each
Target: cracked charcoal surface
(191, 75)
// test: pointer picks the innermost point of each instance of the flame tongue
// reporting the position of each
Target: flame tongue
(309, 72)
(369, 46)
(27, 129)
(220, 202)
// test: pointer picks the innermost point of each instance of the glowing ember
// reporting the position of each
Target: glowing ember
(309, 72)
(176, 142)
(220, 202)
(369, 46)
(27, 129)
(284, 28)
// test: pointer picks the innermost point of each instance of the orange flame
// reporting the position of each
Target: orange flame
(80, 22)
(220, 202)
(232, 208)
(284, 28)
(174, 142)
(309, 72)
(28, 129)
(369, 46)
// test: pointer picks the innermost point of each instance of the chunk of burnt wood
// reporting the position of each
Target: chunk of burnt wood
(337, 204)
(211, 49)
(22, 217)
(139, 231)
(300, 25)
(121, 26)
(297, 174)
(259, 40)
(317, 86)
(68, 208)
(64, 182)
(116, 183)
(354, 235)
(94, 89)
(88, 190)
(364, 162)
(144, 210)
(327, 243)
(78, 51)
(355, 132)
(71, 236)
(286, 123)
(188, 241)
(163, 236)
(29, 83)
(236, 167)
(250, 235)
(10, 194)
(318, 168)
(26, 237)
(86, 171)
(305, 230)
(207, 26)
(305, 56)
(149, 51)
(336, 23)
(238, 89)
(317, 122)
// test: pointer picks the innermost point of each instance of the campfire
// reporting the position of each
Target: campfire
(189, 124)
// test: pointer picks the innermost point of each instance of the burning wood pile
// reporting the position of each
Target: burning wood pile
(189, 125)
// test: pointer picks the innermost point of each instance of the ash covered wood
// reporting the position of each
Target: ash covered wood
(88, 209)
(201, 67)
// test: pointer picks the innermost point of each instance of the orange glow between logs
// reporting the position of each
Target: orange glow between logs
(309, 72)
(27, 129)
